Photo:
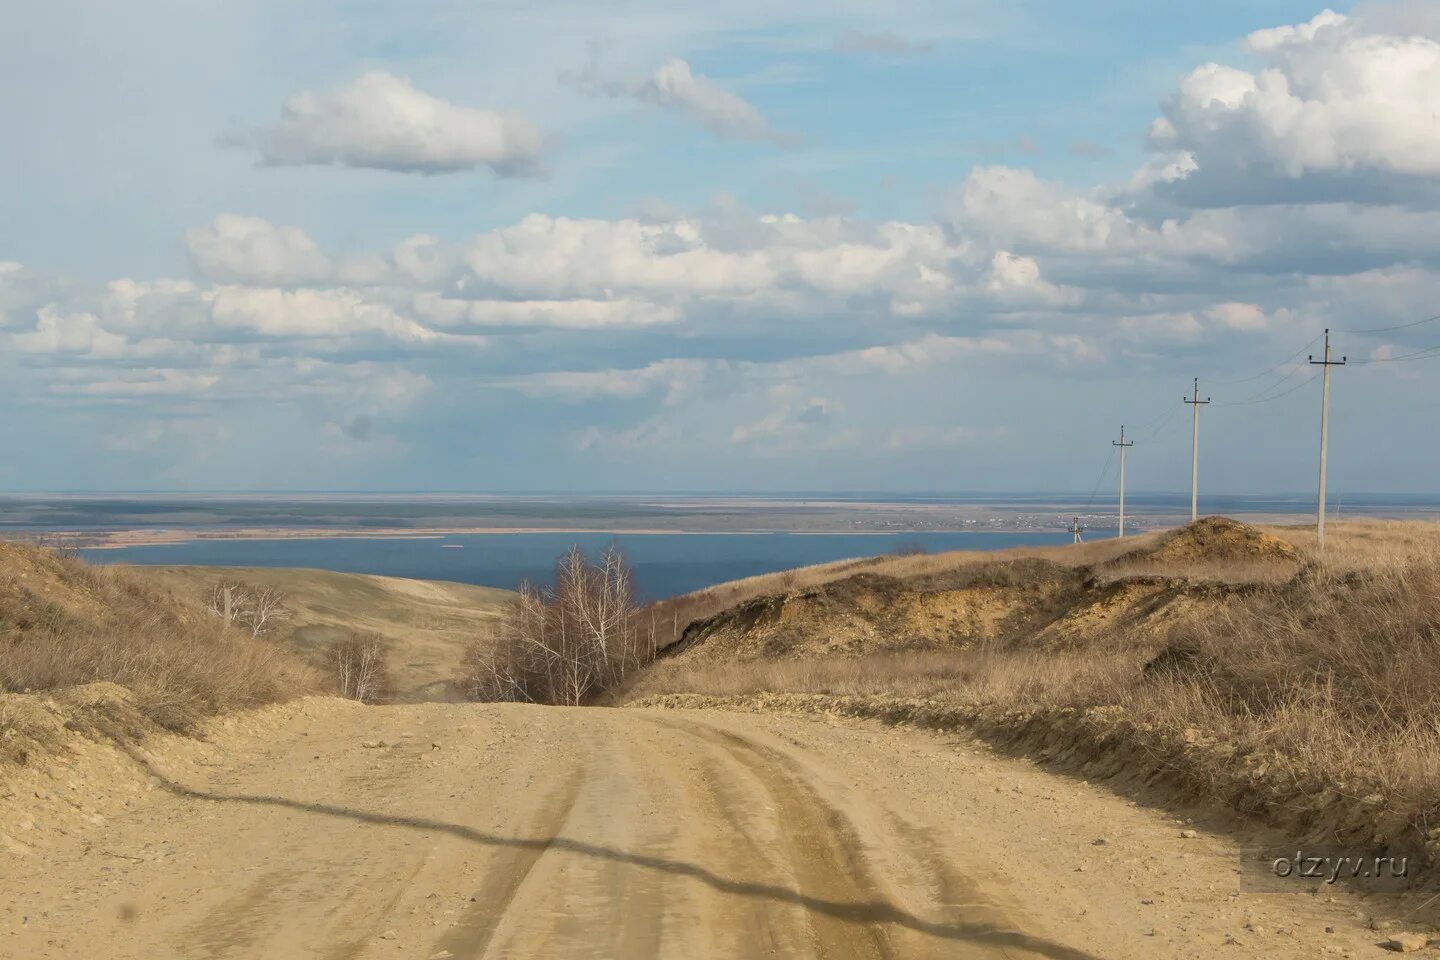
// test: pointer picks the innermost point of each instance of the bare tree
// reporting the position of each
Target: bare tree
(256, 607)
(361, 667)
(567, 642)
(263, 609)
(226, 599)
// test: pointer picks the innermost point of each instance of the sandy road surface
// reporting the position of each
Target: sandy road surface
(523, 832)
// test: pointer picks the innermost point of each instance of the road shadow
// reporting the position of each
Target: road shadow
(860, 912)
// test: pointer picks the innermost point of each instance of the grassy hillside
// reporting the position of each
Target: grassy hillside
(1240, 664)
(65, 623)
(427, 624)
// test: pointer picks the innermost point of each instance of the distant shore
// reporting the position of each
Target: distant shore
(122, 539)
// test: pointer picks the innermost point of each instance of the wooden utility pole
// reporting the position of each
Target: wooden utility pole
(1195, 404)
(1122, 445)
(1325, 366)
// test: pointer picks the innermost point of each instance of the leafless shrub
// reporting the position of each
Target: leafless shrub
(63, 545)
(257, 608)
(362, 669)
(265, 610)
(567, 642)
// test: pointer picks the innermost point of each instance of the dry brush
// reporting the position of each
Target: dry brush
(566, 642)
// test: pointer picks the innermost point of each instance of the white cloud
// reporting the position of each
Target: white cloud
(310, 313)
(674, 86)
(1333, 101)
(1015, 279)
(57, 332)
(380, 121)
(558, 256)
(239, 249)
(1245, 317)
(579, 314)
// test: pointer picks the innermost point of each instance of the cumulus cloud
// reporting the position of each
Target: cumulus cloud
(1245, 317)
(380, 121)
(674, 86)
(578, 314)
(240, 249)
(57, 332)
(1015, 278)
(907, 269)
(310, 313)
(1335, 108)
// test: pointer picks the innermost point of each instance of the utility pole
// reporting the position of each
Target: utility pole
(1325, 366)
(1195, 404)
(1076, 529)
(1122, 445)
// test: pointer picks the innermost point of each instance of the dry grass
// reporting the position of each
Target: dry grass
(1330, 675)
(1350, 545)
(63, 623)
(965, 676)
(426, 624)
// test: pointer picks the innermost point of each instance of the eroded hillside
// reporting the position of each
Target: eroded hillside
(1134, 597)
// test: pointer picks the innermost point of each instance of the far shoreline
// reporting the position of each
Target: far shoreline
(124, 539)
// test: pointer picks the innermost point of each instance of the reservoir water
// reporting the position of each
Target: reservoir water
(664, 564)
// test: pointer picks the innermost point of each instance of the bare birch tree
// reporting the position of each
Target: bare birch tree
(361, 667)
(255, 607)
(567, 642)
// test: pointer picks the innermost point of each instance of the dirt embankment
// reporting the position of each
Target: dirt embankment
(1025, 602)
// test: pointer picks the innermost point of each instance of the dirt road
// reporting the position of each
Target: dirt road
(434, 831)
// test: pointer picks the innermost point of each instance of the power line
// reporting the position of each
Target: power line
(1154, 426)
(1104, 472)
(1292, 357)
(1260, 398)
(1417, 355)
(1398, 326)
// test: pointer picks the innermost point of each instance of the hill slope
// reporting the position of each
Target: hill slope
(427, 623)
(65, 623)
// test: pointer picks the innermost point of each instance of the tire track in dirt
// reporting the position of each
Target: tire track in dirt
(827, 851)
(506, 871)
(818, 844)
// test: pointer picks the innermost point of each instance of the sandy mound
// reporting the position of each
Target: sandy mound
(1213, 541)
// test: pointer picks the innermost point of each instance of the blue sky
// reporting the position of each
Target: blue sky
(507, 246)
